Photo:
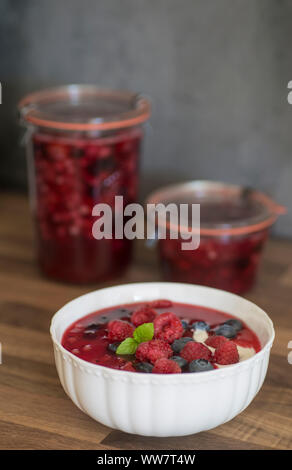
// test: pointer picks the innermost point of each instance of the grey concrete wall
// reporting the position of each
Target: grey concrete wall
(216, 70)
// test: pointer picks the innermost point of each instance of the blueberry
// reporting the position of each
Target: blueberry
(201, 325)
(237, 325)
(124, 311)
(185, 324)
(144, 367)
(200, 365)
(226, 330)
(91, 330)
(180, 361)
(113, 347)
(93, 326)
(178, 344)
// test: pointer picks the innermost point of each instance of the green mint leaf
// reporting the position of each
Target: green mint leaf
(128, 346)
(144, 332)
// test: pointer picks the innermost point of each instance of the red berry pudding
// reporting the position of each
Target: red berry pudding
(83, 147)
(234, 226)
(161, 337)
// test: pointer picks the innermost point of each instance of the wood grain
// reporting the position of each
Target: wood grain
(35, 413)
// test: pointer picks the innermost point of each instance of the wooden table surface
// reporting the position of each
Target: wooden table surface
(35, 413)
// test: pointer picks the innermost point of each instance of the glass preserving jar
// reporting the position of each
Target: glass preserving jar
(234, 226)
(83, 145)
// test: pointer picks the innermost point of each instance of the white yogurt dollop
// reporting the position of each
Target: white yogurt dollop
(245, 353)
(200, 335)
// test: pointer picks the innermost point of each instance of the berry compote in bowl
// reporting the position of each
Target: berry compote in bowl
(234, 227)
(83, 146)
(161, 359)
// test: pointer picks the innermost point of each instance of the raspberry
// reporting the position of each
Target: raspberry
(119, 330)
(193, 350)
(57, 152)
(166, 366)
(168, 327)
(153, 350)
(160, 303)
(226, 353)
(129, 367)
(143, 315)
(215, 341)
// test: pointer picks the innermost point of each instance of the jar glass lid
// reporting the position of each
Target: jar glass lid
(224, 208)
(84, 108)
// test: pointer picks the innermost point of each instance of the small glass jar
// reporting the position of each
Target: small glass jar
(83, 145)
(234, 226)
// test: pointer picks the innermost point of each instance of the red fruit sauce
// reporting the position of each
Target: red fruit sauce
(87, 338)
(72, 174)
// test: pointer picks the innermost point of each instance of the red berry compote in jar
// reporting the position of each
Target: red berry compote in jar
(234, 226)
(83, 148)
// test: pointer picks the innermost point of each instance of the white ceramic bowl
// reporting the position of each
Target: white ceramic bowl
(162, 405)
